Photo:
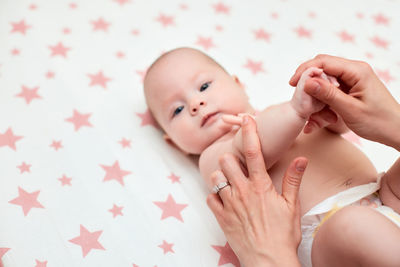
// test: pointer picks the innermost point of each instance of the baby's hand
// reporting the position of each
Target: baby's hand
(304, 104)
(235, 120)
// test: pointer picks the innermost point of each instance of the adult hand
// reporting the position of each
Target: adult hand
(363, 102)
(261, 225)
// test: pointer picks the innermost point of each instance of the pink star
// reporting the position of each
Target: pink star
(165, 20)
(32, 6)
(56, 145)
(29, 94)
(385, 75)
(219, 28)
(221, 8)
(20, 27)
(73, 5)
(369, 55)
(9, 139)
(65, 180)
(360, 15)
(26, 200)
(79, 120)
(254, 66)
(262, 35)
(379, 42)
(114, 172)
(2, 252)
(66, 31)
(183, 6)
(125, 143)
(100, 24)
(352, 137)
(174, 178)
(41, 263)
(24, 167)
(15, 52)
(312, 15)
(116, 211)
(167, 247)
(50, 75)
(302, 32)
(59, 49)
(87, 240)
(206, 43)
(227, 255)
(170, 208)
(147, 119)
(346, 37)
(274, 15)
(99, 79)
(381, 19)
(122, 2)
(135, 32)
(120, 54)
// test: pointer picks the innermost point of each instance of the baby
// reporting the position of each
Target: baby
(189, 94)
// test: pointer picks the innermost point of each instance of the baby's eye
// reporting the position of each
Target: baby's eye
(177, 111)
(204, 86)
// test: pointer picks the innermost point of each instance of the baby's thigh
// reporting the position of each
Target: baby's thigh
(357, 236)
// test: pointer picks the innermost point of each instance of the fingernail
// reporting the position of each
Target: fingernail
(301, 165)
(245, 120)
(314, 88)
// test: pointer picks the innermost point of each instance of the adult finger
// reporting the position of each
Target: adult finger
(252, 149)
(231, 170)
(329, 64)
(217, 177)
(326, 92)
(292, 179)
(216, 206)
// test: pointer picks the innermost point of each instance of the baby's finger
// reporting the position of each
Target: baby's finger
(232, 119)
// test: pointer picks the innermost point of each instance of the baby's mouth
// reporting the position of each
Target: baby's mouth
(207, 118)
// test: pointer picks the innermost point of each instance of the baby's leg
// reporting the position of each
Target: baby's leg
(357, 236)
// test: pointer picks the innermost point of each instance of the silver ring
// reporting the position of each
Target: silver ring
(219, 187)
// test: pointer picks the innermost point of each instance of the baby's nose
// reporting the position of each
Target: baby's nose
(196, 105)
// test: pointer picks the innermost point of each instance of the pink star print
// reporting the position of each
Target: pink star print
(147, 119)
(125, 143)
(9, 139)
(50, 75)
(20, 27)
(24, 167)
(87, 240)
(174, 178)
(142, 74)
(385, 75)
(165, 20)
(79, 120)
(114, 172)
(59, 50)
(360, 15)
(379, 42)
(227, 255)
(120, 54)
(29, 94)
(116, 210)
(26, 200)
(15, 52)
(32, 7)
(262, 35)
(100, 24)
(41, 263)
(2, 252)
(99, 79)
(381, 19)
(221, 8)
(56, 145)
(65, 180)
(255, 67)
(302, 32)
(170, 208)
(206, 43)
(73, 5)
(167, 247)
(346, 37)
(122, 2)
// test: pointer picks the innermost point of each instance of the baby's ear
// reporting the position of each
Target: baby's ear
(172, 143)
(236, 79)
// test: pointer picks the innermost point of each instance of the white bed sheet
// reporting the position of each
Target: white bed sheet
(85, 177)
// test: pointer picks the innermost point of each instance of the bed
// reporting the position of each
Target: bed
(85, 176)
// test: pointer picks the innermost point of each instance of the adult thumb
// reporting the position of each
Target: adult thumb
(330, 95)
(292, 180)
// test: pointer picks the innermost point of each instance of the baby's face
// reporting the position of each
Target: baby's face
(188, 94)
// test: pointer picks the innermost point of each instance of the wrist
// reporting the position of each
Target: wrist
(284, 258)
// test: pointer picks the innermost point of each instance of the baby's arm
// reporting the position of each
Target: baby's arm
(279, 125)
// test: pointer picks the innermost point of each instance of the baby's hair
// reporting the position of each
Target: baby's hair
(182, 48)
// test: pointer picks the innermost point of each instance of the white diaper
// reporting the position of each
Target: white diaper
(364, 195)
